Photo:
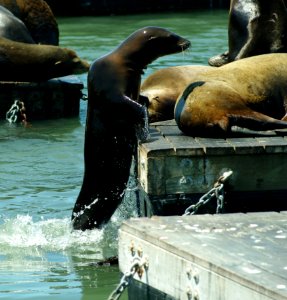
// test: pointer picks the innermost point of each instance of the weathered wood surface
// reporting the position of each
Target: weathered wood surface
(55, 98)
(172, 163)
(218, 257)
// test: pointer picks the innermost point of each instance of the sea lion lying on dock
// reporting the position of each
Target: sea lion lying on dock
(112, 118)
(13, 28)
(33, 62)
(249, 93)
(255, 27)
(38, 18)
(163, 87)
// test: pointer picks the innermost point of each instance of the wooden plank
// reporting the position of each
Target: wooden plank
(223, 250)
(273, 144)
(215, 146)
(185, 146)
(182, 175)
(250, 172)
(169, 130)
(246, 145)
(194, 174)
(55, 98)
(157, 146)
(176, 164)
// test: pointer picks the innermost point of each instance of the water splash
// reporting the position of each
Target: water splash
(50, 235)
(142, 130)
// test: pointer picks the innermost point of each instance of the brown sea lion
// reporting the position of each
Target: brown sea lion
(255, 27)
(163, 87)
(13, 28)
(112, 117)
(38, 18)
(249, 93)
(31, 62)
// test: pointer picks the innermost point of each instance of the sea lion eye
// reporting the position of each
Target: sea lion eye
(151, 37)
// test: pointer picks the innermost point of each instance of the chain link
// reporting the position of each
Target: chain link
(16, 113)
(136, 266)
(217, 191)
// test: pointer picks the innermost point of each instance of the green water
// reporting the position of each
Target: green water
(41, 171)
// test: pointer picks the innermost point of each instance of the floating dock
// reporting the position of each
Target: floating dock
(175, 170)
(55, 98)
(207, 257)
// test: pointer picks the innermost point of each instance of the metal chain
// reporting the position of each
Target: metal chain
(217, 191)
(84, 97)
(13, 113)
(16, 113)
(136, 266)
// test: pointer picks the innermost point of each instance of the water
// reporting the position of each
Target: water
(41, 172)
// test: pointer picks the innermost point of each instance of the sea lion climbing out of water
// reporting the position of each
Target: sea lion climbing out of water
(112, 115)
(255, 27)
(249, 93)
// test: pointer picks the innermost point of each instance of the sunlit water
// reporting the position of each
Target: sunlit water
(41, 171)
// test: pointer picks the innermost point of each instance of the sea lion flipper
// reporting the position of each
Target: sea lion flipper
(256, 121)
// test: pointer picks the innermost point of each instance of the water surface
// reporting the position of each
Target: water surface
(41, 171)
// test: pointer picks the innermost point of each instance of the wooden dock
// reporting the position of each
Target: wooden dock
(207, 257)
(175, 170)
(55, 98)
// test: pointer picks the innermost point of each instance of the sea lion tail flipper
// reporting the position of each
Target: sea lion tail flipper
(181, 100)
(256, 121)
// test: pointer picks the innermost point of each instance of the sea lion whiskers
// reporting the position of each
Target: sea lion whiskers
(185, 52)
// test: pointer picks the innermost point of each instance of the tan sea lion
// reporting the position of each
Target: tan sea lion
(255, 27)
(163, 87)
(32, 62)
(249, 93)
(112, 118)
(38, 18)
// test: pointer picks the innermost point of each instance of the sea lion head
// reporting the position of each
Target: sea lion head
(149, 43)
(161, 104)
(72, 63)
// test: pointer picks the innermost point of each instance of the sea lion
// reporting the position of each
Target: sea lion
(33, 62)
(38, 18)
(249, 93)
(13, 28)
(112, 116)
(255, 27)
(163, 87)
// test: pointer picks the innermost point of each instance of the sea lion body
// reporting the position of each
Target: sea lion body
(31, 62)
(163, 87)
(112, 116)
(38, 18)
(249, 93)
(255, 27)
(13, 28)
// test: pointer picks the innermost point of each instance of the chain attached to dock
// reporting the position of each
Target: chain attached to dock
(138, 264)
(17, 112)
(217, 191)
